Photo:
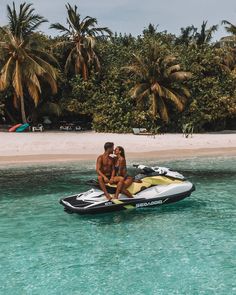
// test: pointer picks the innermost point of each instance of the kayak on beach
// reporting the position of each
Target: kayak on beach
(13, 128)
(22, 128)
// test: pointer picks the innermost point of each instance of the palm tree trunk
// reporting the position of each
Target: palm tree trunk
(22, 107)
(85, 72)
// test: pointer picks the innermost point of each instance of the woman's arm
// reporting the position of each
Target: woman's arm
(122, 167)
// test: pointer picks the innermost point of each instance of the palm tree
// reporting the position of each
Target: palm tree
(159, 79)
(205, 35)
(80, 39)
(228, 51)
(187, 36)
(230, 28)
(151, 30)
(24, 65)
(190, 35)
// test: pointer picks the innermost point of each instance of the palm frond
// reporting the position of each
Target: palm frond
(73, 18)
(5, 74)
(34, 91)
(52, 82)
(47, 67)
(143, 95)
(138, 90)
(185, 92)
(162, 110)
(45, 56)
(169, 59)
(86, 23)
(230, 28)
(25, 22)
(171, 69)
(17, 80)
(69, 59)
(157, 90)
(61, 28)
(173, 97)
(103, 31)
(34, 79)
(90, 42)
(33, 65)
(180, 76)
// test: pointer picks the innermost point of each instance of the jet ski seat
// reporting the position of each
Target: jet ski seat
(146, 182)
(134, 188)
(161, 180)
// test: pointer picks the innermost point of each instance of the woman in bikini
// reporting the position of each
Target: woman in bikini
(121, 170)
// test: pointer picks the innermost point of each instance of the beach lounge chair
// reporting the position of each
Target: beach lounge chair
(67, 127)
(144, 131)
(39, 128)
(141, 131)
(78, 128)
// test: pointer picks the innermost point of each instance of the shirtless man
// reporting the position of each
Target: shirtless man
(106, 172)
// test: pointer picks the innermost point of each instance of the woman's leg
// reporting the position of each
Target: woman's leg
(119, 181)
(128, 181)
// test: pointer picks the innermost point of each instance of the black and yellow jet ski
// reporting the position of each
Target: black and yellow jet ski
(153, 186)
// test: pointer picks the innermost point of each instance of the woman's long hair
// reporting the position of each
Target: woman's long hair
(122, 151)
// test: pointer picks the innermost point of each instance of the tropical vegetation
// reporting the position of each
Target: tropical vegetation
(158, 79)
(113, 82)
(25, 66)
(79, 41)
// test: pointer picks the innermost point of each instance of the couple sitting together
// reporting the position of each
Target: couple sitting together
(111, 168)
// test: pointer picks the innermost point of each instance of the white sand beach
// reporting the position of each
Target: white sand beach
(19, 148)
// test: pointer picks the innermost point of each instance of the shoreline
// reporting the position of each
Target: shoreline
(54, 147)
(15, 160)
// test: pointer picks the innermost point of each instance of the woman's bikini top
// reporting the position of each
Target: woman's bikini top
(118, 168)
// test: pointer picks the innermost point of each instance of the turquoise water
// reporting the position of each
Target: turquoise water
(183, 248)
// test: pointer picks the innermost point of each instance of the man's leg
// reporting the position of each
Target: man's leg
(103, 187)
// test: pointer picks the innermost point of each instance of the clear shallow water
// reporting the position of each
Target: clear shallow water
(183, 248)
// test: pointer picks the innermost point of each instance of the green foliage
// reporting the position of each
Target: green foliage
(107, 99)
(95, 84)
(213, 90)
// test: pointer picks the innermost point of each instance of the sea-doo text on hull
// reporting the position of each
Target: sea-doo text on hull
(154, 186)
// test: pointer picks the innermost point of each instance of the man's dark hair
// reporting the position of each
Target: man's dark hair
(108, 145)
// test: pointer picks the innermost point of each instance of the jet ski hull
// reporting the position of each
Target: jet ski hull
(74, 204)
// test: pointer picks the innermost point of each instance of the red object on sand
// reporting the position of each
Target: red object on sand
(13, 128)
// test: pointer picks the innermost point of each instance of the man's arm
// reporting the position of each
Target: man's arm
(99, 166)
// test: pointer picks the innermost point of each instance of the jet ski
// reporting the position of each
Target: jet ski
(152, 186)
